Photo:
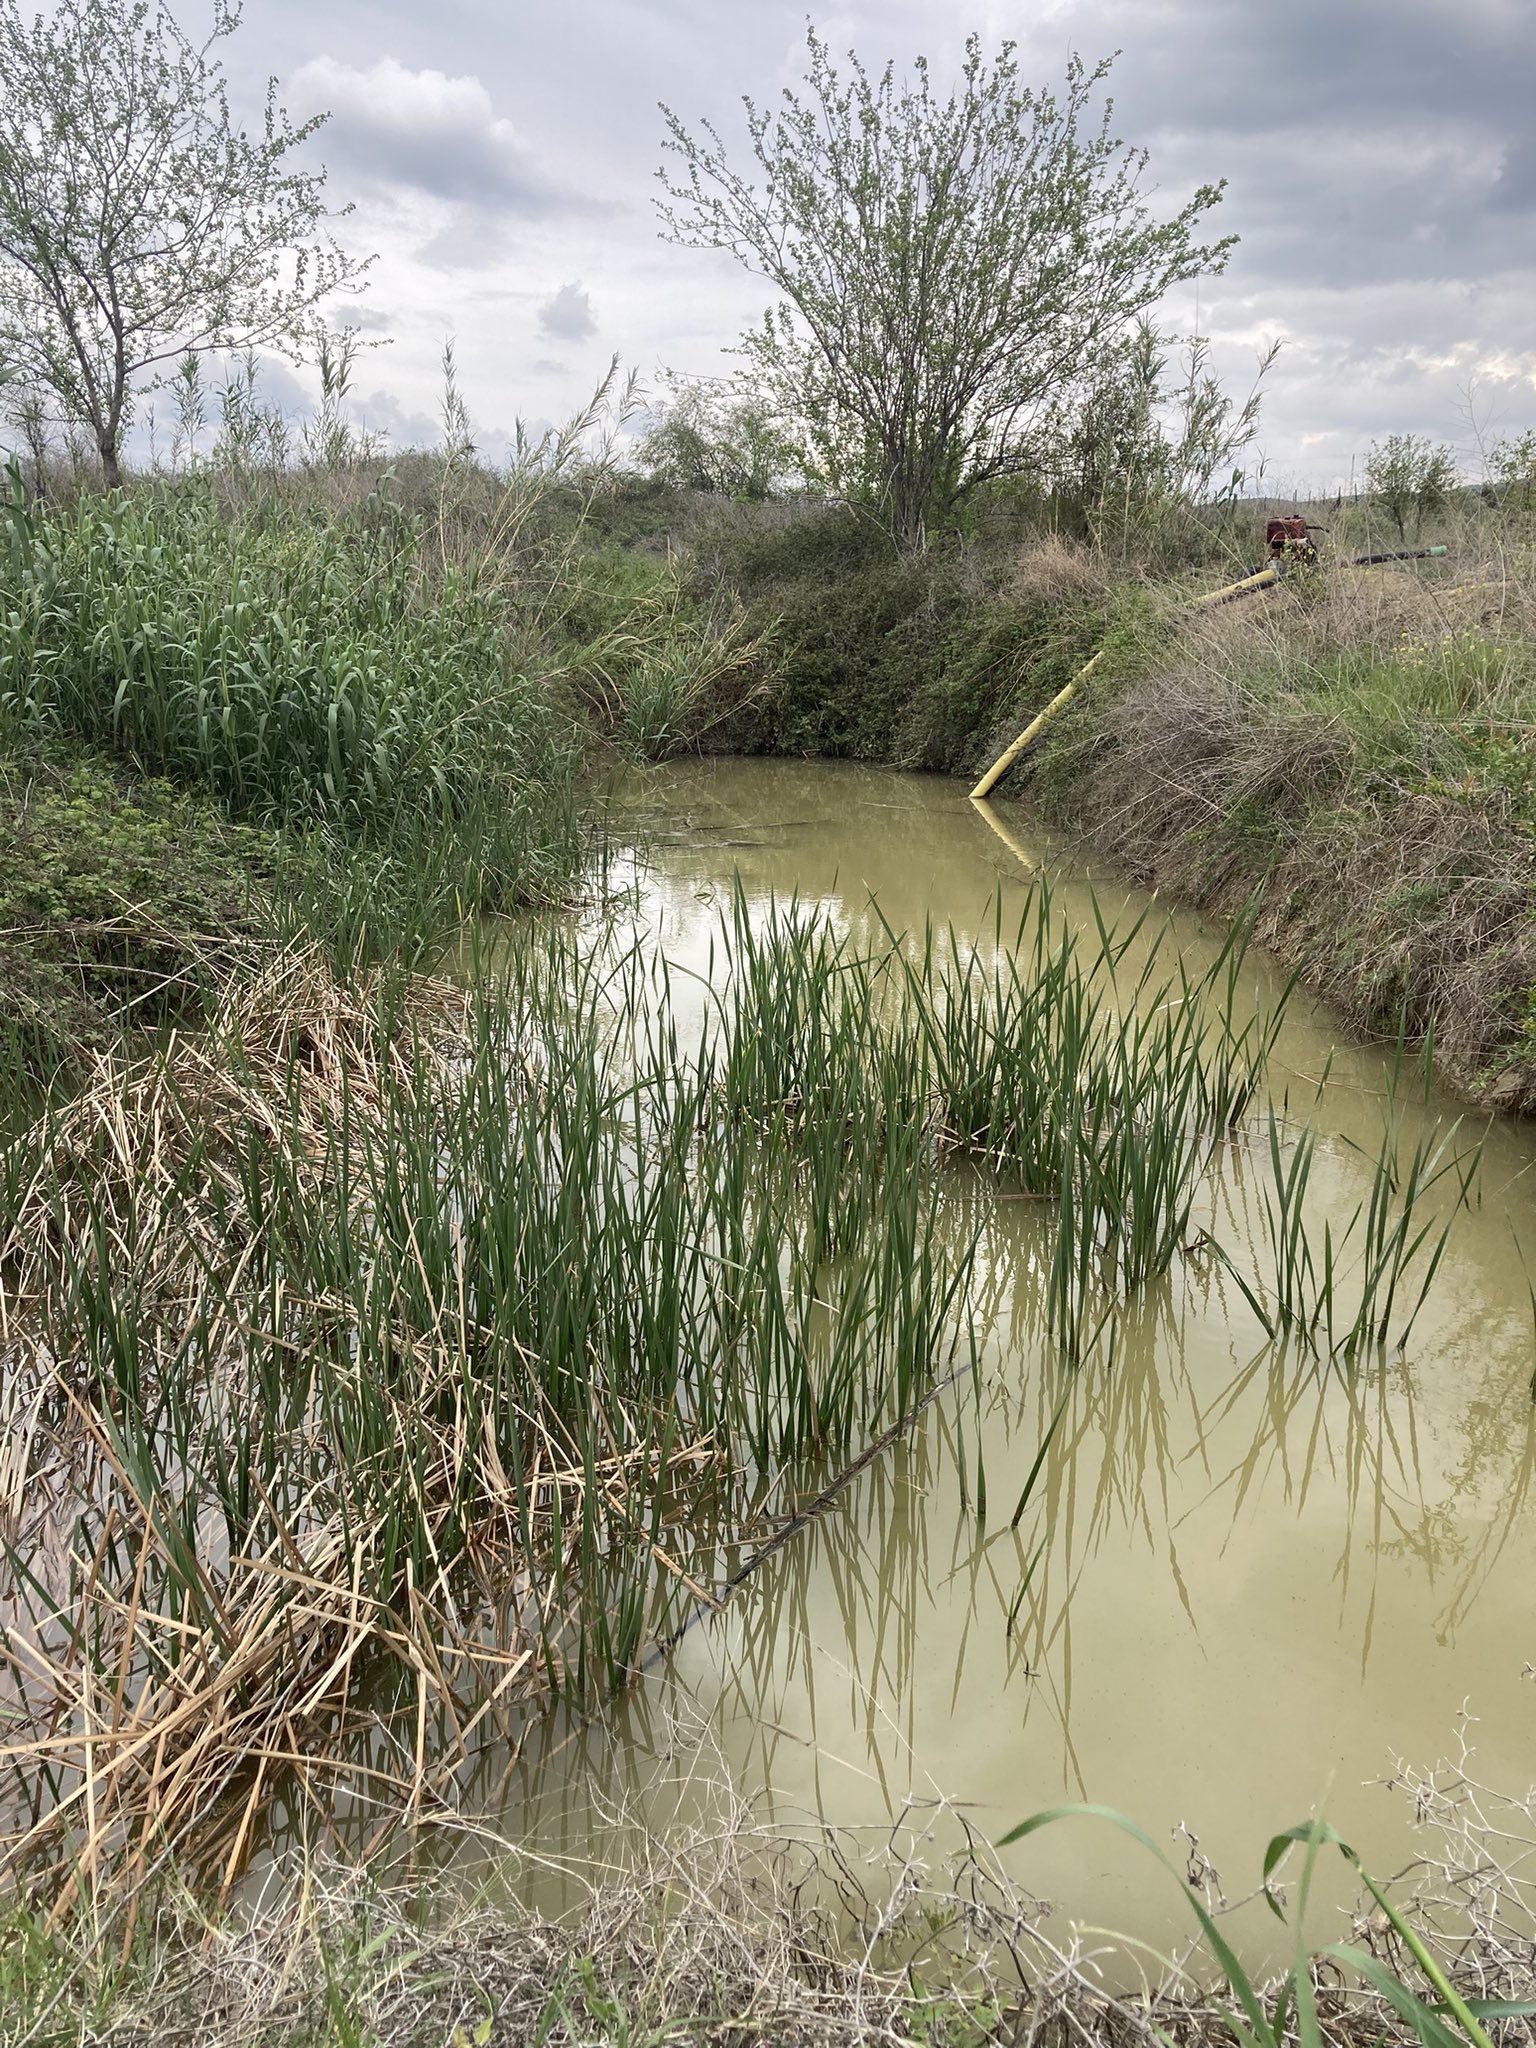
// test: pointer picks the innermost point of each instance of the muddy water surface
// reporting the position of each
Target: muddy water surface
(1258, 1580)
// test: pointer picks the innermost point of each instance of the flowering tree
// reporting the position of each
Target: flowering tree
(946, 267)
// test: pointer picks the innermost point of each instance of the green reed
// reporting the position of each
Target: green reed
(520, 1328)
(1363, 1282)
(1093, 1083)
(459, 1346)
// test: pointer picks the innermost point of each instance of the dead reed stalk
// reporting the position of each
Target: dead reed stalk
(159, 1679)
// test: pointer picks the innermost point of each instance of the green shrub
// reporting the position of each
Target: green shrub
(120, 906)
(823, 547)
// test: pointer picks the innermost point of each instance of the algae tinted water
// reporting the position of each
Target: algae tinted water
(1259, 1578)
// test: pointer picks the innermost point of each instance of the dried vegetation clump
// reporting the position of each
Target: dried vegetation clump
(144, 1136)
(731, 1932)
(1056, 571)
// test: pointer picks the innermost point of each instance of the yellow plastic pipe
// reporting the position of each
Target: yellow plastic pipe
(1006, 759)
(1020, 852)
(1260, 580)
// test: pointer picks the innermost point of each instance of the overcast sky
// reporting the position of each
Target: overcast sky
(1380, 158)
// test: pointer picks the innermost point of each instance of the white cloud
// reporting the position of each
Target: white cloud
(568, 316)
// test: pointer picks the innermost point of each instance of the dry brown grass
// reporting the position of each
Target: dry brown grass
(270, 1065)
(731, 1932)
(1055, 571)
(1350, 748)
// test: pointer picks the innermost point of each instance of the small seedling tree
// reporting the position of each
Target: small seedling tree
(1512, 472)
(947, 267)
(1409, 476)
(139, 224)
(1154, 434)
(714, 437)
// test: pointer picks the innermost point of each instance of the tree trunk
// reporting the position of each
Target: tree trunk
(908, 526)
(111, 468)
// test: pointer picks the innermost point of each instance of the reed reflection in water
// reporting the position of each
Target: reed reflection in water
(1247, 1576)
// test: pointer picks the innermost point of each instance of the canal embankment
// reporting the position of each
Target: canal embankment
(1351, 750)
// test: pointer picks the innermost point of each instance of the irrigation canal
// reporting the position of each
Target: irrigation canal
(1262, 1577)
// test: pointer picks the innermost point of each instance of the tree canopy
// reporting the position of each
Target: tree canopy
(1409, 475)
(138, 222)
(948, 269)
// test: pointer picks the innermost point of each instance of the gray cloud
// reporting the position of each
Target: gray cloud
(1385, 140)
(428, 130)
(469, 238)
(382, 414)
(1514, 189)
(1381, 158)
(568, 316)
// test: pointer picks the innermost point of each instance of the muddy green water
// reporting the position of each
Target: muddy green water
(1263, 1579)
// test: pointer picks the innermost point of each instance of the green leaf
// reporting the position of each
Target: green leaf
(1257, 2033)
(1431, 2030)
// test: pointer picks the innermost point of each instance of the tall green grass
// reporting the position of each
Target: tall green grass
(312, 672)
(661, 669)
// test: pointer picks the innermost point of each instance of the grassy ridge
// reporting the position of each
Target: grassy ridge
(121, 906)
(386, 707)
(912, 662)
(1356, 747)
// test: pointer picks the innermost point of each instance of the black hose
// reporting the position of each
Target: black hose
(663, 1646)
(1399, 555)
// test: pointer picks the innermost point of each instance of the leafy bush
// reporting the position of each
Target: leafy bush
(1409, 475)
(714, 436)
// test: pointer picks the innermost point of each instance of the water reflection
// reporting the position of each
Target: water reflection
(1244, 1577)
(1214, 1531)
